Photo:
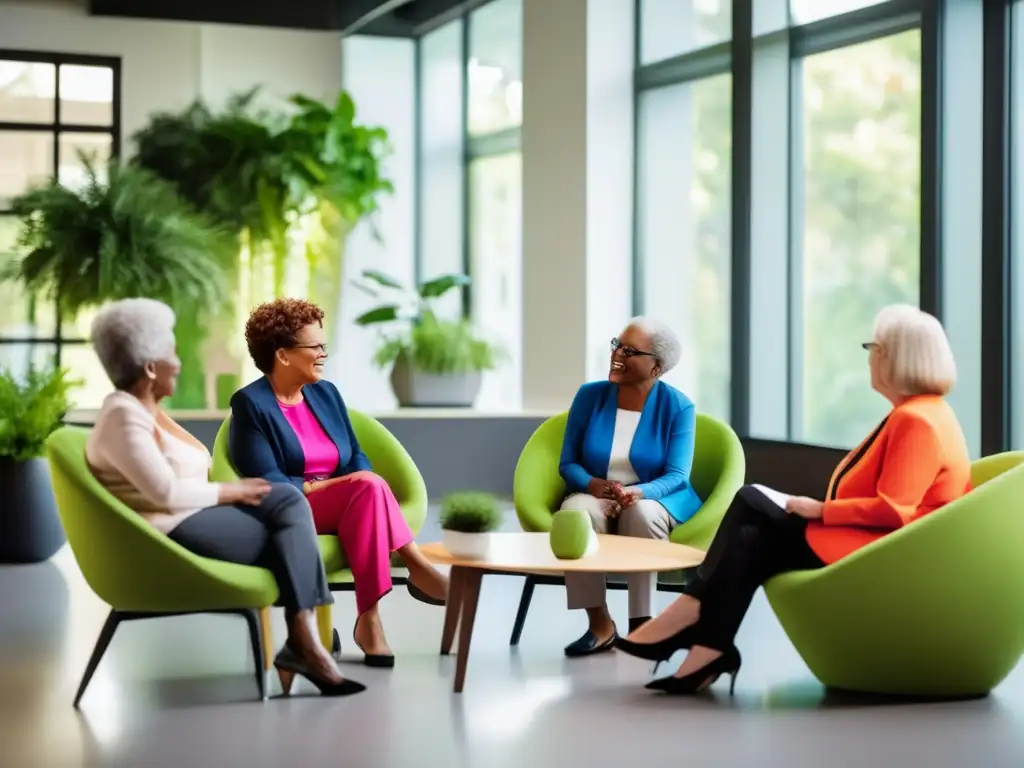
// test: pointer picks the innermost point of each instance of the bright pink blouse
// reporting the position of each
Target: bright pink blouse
(321, 453)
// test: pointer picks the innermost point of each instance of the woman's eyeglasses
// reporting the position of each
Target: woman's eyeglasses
(321, 347)
(629, 351)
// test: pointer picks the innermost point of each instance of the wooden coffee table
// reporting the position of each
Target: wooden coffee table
(530, 554)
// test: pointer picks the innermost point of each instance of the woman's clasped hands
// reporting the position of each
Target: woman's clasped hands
(616, 495)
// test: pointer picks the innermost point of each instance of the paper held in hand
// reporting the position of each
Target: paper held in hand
(777, 498)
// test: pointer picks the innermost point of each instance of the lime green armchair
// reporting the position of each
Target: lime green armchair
(140, 572)
(392, 462)
(718, 471)
(933, 609)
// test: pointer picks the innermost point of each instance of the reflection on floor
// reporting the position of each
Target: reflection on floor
(179, 692)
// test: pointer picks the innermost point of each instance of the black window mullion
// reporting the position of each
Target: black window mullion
(742, 158)
(995, 244)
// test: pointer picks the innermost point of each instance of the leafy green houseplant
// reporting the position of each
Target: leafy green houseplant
(126, 235)
(464, 516)
(289, 185)
(31, 408)
(434, 361)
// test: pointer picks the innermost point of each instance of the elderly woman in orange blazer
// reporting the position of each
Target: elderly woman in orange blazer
(911, 464)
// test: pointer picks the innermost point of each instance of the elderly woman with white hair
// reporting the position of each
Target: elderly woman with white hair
(626, 460)
(913, 462)
(149, 462)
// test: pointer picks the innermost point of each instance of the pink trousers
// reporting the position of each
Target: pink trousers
(367, 520)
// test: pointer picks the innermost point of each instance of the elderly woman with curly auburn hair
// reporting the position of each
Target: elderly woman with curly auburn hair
(291, 426)
(149, 462)
(626, 459)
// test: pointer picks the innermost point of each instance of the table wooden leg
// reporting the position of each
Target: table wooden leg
(453, 608)
(470, 597)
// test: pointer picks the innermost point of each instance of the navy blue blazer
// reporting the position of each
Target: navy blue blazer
(262, 443)
(661, 453)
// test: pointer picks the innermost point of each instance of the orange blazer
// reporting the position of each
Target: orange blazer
(915, 461)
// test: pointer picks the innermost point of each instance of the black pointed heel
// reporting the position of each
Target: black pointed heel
(659, 651)
(288, 668)
(379, 660)
(699, 680)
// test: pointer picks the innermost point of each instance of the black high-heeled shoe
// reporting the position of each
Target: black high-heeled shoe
(727, 664)
(381, 660)
(659, 651)
(289, 666)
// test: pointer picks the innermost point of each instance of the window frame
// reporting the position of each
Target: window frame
(939, 47)
(58, 341)
(505, 141)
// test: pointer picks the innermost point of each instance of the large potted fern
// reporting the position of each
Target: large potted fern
(31, 407)
(435, 362)
(124, 234)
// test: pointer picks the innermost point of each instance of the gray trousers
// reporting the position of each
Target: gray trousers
(278, 535)
(646, 520)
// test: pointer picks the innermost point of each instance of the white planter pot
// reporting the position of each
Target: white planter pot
(470, 546)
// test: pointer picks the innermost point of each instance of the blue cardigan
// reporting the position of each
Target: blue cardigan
(263, 444)
(661, 453)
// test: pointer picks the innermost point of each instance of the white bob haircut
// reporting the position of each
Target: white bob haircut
(664, 342)
(916, 357)
(129, 334)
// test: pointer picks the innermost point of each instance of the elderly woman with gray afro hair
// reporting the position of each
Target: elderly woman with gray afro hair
(149, 462)
(626, 460)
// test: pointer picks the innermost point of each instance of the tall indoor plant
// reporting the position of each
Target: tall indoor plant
(288, 184)
(31, 407)
(121, 235)
(435, 362)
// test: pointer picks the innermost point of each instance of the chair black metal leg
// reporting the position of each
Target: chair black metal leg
(256, 638)
(106, 635)
(524, 607)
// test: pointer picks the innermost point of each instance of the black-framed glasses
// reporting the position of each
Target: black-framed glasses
(617, 346)
(321, 347)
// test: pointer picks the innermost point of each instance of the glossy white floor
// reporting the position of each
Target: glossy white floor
(180, 692)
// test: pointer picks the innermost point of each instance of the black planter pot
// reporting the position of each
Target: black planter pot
(30, 529)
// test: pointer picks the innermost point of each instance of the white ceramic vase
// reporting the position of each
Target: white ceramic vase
(470, 546)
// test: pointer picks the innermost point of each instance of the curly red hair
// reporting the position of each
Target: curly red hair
(274, 325)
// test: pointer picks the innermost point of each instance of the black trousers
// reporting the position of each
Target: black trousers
(756, 541)
(277, 535)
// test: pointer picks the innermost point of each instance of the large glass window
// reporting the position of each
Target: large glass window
(53, 111)
(861, 222)
(495, 246)
(442, 150)
(495, 67)
(806, 11)
(670, 28)
(683, 228)
(1016, 357)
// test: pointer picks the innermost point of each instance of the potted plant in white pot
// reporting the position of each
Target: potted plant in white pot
(435, 362)
(466, 515)
(31, 407)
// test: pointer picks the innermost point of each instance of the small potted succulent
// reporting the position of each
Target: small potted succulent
(466, 515)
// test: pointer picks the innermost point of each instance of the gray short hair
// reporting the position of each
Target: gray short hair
(918, 359)
(130, 333)
(664, 342)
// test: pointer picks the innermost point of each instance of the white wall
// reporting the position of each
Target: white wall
(167, 64)
(283, 61)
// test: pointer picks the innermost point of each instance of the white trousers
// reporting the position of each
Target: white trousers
(645, 520)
